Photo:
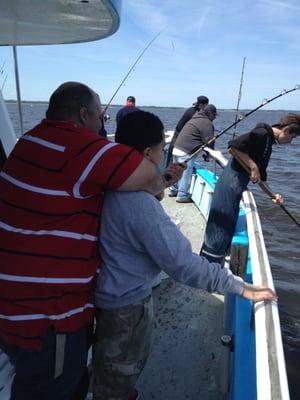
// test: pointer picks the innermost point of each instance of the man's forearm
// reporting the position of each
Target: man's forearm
(243, 158)
(156, 186)
(146, 177)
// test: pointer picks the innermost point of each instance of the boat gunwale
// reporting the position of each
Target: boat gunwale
(270, 362)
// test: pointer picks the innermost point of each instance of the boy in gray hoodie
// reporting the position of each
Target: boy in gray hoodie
(137, 241)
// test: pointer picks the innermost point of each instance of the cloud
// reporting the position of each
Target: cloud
(142, 11)
(278, 7)
(177, 18)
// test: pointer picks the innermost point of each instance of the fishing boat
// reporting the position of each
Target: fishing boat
(206, 346)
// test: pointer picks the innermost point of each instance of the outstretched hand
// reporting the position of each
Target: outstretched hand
(173, 173)
(258, 293)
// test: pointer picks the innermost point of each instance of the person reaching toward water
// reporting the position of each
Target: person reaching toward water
(253, 150)
(137, 240)
(51, 189)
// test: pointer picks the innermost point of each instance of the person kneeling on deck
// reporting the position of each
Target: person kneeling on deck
(137, 240)
(51, 196)
(253, 150)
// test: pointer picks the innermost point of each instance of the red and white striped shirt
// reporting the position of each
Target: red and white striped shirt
(50, 202)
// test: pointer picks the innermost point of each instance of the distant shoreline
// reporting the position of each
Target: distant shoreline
(141, 106)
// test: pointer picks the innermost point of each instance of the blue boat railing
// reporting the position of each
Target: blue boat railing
(256, 362)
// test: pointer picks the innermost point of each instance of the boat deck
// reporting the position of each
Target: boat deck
(185, 361)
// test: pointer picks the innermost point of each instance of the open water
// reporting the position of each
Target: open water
(281, 234)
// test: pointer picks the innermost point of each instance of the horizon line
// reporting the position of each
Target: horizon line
(152, 106)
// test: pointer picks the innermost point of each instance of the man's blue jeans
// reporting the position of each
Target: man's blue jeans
(223, 213)
(182, 187)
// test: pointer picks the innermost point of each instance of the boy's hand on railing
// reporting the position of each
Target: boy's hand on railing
(258, 293)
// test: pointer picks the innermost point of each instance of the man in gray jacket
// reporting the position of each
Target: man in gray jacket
(197, 131)
(199, 105)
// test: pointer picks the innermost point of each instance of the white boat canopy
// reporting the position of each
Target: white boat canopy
(36, 22)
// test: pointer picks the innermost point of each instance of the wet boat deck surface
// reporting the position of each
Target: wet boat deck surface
(185, 360)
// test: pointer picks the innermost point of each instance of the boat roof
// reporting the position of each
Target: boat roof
(36, 22)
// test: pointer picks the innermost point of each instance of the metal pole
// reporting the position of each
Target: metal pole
(18, 88)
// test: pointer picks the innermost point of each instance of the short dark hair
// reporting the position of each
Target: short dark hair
(140, 129)
(68, 99)
(292, 121)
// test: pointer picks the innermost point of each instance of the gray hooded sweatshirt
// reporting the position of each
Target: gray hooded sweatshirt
(197, 131)
(137, 241)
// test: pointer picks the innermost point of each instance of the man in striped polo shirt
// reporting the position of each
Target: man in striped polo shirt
(50, 201)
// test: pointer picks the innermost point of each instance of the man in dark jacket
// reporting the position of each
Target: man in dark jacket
(197, 131)
(202, 101)
(127, 109)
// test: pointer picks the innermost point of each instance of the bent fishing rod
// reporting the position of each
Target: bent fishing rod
(130, 70)
(241, 118)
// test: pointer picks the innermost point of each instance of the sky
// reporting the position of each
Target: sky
(200, 51)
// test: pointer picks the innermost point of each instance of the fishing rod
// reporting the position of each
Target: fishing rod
(241, 118)
(267, 190)
(239, 97)
(130, 70)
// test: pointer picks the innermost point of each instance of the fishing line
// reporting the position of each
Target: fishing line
(241, 118)
(2, 67)
(3, 84)
(131, 69)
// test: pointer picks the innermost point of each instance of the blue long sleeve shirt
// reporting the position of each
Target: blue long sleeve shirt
(137, 241)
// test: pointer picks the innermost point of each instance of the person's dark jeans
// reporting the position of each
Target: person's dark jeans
(34, 370)
(223, 213)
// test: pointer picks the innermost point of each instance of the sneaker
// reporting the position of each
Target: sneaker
(134, 395)
(172, 194)
(184, 200)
